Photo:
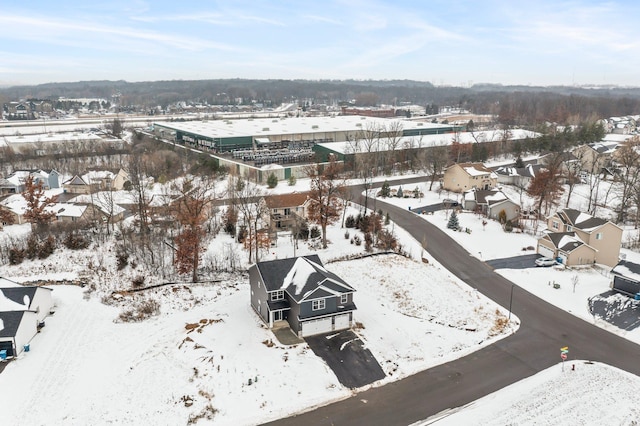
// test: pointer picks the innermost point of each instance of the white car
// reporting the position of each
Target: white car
(545, 261)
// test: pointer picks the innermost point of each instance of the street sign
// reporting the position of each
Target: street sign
(563, 356)
(566, 348)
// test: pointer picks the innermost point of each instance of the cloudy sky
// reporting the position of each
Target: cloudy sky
(446, 42)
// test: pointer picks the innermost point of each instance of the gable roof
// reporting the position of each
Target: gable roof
(566, 241)
(476, 169)
(577, 219)
(627, 269)
(76, 180)
(301, 277)
(294, 199)
(21, 295)
(9, 322)
(529, 171)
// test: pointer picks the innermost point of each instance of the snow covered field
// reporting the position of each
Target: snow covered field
(193, 362)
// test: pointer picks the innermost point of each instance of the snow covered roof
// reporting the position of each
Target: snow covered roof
(105, 201)
(10, 321)
(627, 269)
(580, 220)
(300, 277)
(67, 209)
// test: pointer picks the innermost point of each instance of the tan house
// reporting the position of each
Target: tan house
(601, 236)
(491, 202)
(76, 185)
(286, 209)
(594, 157)
(568, 247)
(460, 177)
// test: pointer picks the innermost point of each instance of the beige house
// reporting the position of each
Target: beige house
(594, 157)
(571, 229)
(76, 185)
(491, 202)
(461, 177)
(286, 209)
(568, 247)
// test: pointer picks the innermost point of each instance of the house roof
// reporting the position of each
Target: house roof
(9, 322)
(22, 295)
(302, 278)
(76, 180)
(476, 169)
(6, 184)
(486, 196)
(529, 171)
(565, 241)
(628, 270)
(580, 220)
(293, 199)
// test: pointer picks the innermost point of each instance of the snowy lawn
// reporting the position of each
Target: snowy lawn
(208, 356)
(592, 394)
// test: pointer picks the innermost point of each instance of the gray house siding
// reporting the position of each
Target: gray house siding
(258, 294)
(294, 314)
(306, 308)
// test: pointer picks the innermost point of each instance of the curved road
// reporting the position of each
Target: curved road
(535, 346)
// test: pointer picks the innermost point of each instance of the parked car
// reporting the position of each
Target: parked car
(545, 261)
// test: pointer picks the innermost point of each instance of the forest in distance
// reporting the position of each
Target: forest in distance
(512, 105)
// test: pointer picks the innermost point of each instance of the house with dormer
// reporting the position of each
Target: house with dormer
(460, 177)
(301, 291)
(568, 230)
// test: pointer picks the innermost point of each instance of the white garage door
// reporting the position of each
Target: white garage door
(545, 251)
(309, 328)
(342, 321)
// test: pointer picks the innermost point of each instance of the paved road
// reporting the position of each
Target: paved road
(534, 347)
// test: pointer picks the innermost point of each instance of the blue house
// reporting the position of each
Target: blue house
(301, 291)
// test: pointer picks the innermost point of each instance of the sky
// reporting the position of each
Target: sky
(545, 42)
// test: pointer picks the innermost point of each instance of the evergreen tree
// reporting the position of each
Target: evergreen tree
(385, 192)
(272, 181)
(453, 221)
(400, 192)
(292, 180)
(519, 163)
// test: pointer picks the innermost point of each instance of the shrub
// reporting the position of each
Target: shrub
(272, 181)
(122, 259)
(47, 248)
(16, 256)
(292, 180)
(357, 240)
(74, 241)
(368, 241)
(314, 232)
(138, 281)
(346, 235)
(350, 222)
(32, 247)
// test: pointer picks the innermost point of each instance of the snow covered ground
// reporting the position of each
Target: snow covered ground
(592, 394)
(194, 361)
(207, 357)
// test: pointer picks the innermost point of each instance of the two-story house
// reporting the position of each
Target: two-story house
(301, 291)
(460, 177)
(579, 238)
(286, 210)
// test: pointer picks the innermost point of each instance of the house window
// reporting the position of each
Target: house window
(555, 225)
(287, 212)
(569, 228)
(599, 236)
(344, 298)
(316, 305)
(277, 295)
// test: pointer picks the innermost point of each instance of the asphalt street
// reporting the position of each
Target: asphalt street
(535, 346)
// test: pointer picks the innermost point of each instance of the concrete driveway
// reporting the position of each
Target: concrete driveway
(345, 354)
(518, 262)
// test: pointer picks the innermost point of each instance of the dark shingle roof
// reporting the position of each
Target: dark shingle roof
(300, 277)
(17, 294)
(11, 321)
(571, 216)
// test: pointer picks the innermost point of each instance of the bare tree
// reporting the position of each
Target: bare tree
(628, 161)
(327, 188)
(435, 162)
(191, 209)
(247, 199)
